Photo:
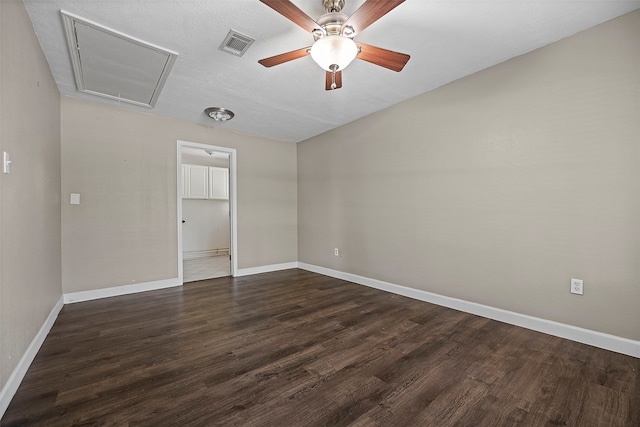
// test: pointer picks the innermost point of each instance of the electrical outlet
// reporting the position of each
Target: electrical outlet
(336, 252)
(577, 286)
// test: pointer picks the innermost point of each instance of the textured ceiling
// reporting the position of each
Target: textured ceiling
(447, 40)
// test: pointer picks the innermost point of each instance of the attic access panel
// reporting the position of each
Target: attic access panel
(114, 65)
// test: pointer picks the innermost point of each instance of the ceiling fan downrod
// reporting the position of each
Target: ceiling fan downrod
(333, 5)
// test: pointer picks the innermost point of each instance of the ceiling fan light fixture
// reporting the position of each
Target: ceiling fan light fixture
(219, 114)
(334, 50)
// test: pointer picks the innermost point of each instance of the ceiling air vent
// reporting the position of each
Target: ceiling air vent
(236, 43)
(114, 65)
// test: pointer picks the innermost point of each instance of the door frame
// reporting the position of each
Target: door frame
(233, 204)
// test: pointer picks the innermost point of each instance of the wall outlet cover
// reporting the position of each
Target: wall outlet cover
(577, 286)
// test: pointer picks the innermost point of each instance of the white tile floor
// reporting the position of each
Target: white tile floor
(206, 268)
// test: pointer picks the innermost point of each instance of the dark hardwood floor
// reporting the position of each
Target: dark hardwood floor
(294, 348)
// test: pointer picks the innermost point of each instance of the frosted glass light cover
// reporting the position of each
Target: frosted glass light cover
(330, 50)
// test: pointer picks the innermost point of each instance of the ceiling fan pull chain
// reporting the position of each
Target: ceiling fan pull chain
(334, 68)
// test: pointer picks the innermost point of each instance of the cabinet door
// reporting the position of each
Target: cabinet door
(198, 187)
(218, 183)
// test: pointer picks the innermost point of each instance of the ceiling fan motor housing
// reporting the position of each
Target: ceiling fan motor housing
(331, 25)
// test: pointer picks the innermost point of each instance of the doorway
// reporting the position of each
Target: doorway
(206, 211)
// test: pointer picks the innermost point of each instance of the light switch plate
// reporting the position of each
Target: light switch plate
(6, 162)
(75, 198)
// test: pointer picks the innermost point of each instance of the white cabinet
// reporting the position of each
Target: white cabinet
(197, 181)
(218, 183)
(205, 182)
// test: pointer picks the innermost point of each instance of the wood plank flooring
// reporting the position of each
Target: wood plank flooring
(294, 348)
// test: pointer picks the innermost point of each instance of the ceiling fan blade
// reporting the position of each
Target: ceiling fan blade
(385, 58)
(285, 57)
(329, 80)
(370, 12)
(292, 12)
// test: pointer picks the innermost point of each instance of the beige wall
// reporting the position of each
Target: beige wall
(123, 164)
(29, 196)
(497, 188)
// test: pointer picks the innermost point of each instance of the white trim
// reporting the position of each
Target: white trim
(72, 297)
(574, 333)
(265, 269)
(12, 384)
(233, 201)
(180, 188)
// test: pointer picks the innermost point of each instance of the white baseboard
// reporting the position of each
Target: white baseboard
(72, 297)
(265, 269)
(12, 384)
(574, 333)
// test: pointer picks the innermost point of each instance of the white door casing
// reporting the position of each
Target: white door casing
(233, 244)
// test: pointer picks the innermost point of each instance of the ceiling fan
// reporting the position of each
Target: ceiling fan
(333, 33)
